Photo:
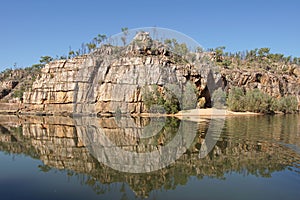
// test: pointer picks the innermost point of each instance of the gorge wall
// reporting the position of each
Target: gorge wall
(274, 84)
(114, 80)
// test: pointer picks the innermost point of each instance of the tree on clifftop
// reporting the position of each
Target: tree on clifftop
(91, 46)
(125, 33)
(100, 38)
(45, 59)
(263, 52)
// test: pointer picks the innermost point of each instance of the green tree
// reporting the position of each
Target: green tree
(178, 48)
(181, 49)
(219, 98)
(125, 33)
(100, 38)
(226, 63)
(91, 46)
(251, 55)
(155, 101)
(288, 104)
(168, 42)
(276, 57)
(257, 101)
(199, 50)
(219, 51)
(71, 54)
(45, 59)
(63, 57)
(263, 52)
(296, 60)
(235, 100)
(287, 59)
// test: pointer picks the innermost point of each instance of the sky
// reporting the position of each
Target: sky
(34, 28)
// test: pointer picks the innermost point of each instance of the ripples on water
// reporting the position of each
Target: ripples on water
(48, 157)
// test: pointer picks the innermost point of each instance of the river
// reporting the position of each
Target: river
(245, 157)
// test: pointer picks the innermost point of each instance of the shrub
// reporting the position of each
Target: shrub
(171, 106)
(19, 93)
(257, 101)
(226, 63)
(148, 97)
(219, 98)
(171, 103)
(189, 97)
(235, 100)
(275, 104)
(288, 104)
(155, 101)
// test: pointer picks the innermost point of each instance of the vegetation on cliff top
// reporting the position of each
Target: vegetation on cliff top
(256, 59)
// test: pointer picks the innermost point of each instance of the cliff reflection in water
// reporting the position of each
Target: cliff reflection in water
(248, 145)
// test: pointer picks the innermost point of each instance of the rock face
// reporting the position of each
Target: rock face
(114, 80)
(14, 82)
(6, 87)
(276, 85)
(53, 92)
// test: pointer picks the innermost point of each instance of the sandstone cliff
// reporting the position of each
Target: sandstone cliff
(114, 79)
(274, 84)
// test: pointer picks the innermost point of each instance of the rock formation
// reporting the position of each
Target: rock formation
(112, 79)
(53, 92)
(276, 85)
(115, 79)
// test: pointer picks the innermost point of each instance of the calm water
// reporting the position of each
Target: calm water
(58, 158)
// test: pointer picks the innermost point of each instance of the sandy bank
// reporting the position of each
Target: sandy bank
(199, 115)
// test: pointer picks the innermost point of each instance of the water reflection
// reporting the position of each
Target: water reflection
(136, 145)
(248, 145)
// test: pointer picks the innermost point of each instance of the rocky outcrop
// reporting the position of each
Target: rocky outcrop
(13, 83)
(276, 85)
(6, 88)
(53, 92)
(112, 79)
(115, 79)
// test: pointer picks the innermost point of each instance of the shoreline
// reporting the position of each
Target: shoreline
(214, 112)
(20, 109)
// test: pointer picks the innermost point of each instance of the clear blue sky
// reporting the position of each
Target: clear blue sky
(32, 28)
